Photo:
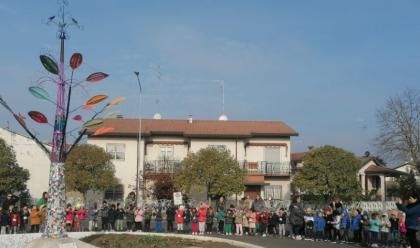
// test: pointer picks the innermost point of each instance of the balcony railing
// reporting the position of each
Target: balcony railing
(161, 166)
(267, 168)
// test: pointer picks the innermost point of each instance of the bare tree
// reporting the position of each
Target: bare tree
(399, 124)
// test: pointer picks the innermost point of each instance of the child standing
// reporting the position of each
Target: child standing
(24, 219)
(180, 219)
(69, 217)
(282, 222)
(209, 220)
(319, 224)
(194, 221)
(35, 219)
(374, 229)
(4, 221)
(384, 225)
(252, 222)
(14, 221)
(229, 222)
(239, 222)
(336, 226)
(394, 228)
(202, 215)
(356, 226)
(273, 223)
(138, 219)
(345, 226)
(365, 229)
(158, 220)
(220, 216)
(403, 229)
(245, 223)
(309, 224)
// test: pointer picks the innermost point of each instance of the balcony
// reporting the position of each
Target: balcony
(264, 168)
(161, 166)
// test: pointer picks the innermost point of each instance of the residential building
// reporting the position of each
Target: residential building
(407, 167)
(262, 148)
(29, 156)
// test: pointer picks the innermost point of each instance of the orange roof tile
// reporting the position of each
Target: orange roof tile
(198, 128)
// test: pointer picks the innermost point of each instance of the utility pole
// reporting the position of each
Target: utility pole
(140, 169)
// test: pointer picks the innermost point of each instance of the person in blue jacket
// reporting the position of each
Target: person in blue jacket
(319, 224)
(356, 226)
(345, 225)
(412, 213)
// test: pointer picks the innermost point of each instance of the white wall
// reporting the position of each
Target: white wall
(236, 148)
(256, 153)
(125, 170)
(30, 156)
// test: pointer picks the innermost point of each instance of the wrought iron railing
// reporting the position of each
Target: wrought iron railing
(267, 168)
(162, 166)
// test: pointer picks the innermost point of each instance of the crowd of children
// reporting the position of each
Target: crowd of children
(333, 223)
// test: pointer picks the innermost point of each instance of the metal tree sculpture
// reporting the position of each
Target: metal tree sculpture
(59, 151)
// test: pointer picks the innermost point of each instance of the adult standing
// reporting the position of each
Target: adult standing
(104, 216)
(170, 217)
(43, 200)
(9, 201)
(337, 204)
(130, 200)
(258, 205)
(296, 217)
(92, 217)
(412, 212)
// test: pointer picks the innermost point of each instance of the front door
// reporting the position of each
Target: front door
(252, 191)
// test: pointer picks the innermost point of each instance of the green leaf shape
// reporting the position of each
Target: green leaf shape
(49, 64)
(39, 92)
(93, 123)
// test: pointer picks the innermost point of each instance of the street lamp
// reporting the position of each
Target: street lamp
(139, 193)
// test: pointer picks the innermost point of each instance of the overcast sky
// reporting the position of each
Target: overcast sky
(322, 67)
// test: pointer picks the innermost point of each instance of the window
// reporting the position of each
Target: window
(117, 151)
(166, 152)
(218, 147)
(273, 191)
(272, 154)
(115, 193)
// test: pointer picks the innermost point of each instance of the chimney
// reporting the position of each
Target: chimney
(190, 119)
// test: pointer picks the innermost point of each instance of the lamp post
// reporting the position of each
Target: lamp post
(139, 171)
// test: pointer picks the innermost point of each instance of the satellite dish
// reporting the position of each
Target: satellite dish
(157, 116)
(223, 118)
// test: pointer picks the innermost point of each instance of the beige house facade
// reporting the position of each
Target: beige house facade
(31, 157)
(262, 148)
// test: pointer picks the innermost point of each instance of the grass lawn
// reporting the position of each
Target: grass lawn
(149, 241)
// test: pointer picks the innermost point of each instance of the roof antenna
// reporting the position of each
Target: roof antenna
(223, 117)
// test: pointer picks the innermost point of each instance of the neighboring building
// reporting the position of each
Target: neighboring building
(372, 175)
(260, 147)
(29, 156)
(407, 167)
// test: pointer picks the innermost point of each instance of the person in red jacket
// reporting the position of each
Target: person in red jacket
(202, 216)
(14, 221)
(265, 217)
(180, 219)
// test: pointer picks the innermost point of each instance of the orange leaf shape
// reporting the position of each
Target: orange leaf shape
(103, 130)
(96, 99)
(115, 102)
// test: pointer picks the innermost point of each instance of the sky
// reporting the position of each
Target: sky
(323, 67)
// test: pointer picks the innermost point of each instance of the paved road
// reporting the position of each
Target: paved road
(271, 242)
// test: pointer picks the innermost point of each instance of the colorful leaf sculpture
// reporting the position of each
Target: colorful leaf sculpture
(76, 60)
(96, 99)
(115, 102)
(103, 130)
(93, 123)
(87, 107)
(49, 64)
(97, 76)
(20, 119)
(110, 115)
(38, 117)
(77, 118)
(39, 92)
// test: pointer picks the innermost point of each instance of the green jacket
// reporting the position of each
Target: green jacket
(220, 215)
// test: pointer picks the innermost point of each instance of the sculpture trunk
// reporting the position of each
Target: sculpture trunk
(55, 226)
